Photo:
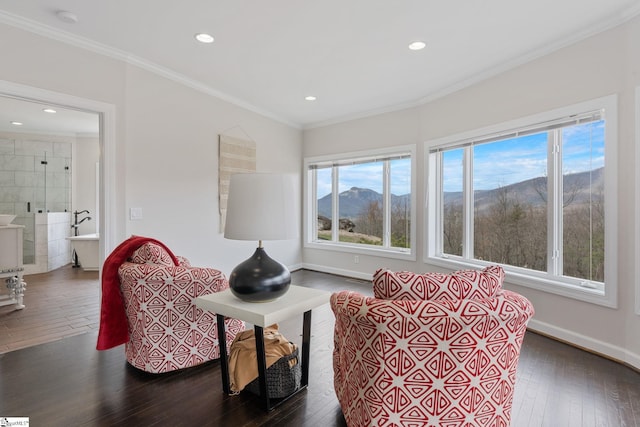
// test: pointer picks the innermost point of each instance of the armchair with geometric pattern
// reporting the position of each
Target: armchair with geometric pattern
(429, 349)
(166, 330)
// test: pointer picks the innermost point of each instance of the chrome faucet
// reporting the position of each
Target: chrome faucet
(75, 225)
(80, 222)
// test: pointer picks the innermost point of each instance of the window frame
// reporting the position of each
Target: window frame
(565, 286)
(637, 202)
(310, 204)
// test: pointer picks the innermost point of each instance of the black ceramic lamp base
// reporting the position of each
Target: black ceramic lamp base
(259, 278)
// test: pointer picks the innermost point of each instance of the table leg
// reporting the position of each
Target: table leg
(20, 292)
(262, 366)
(306, 342)
(224, 358)
(262, 360)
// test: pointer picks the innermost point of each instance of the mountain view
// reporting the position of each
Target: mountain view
(355, 200)
(531, 192)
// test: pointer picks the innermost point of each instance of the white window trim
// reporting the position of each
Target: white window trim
(570, 287)
(637, 182)
(309, 206)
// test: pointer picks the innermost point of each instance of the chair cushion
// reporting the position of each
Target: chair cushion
(151, 253)
(464, 284)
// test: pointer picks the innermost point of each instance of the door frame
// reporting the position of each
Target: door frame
(107, 141)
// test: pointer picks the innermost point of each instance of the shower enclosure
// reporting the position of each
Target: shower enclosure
(35, 185)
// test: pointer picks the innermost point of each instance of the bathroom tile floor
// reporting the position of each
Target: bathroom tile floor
(58, 304)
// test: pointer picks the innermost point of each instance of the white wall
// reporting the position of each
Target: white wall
(86, 153)
(172, 132)
(165, 145)
(608, 63)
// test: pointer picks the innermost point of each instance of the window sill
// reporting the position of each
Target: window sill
(408, 254)
(521, 277)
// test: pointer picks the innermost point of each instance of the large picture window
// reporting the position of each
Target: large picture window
(361, 201)
(533, 198)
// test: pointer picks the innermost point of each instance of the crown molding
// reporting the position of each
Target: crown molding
(118, 54)
(613, 22)
(574, 38)
(87, 44)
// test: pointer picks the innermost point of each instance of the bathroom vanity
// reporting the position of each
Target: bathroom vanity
(11, 266)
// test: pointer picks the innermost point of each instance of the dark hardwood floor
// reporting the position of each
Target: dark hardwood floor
(68, 383)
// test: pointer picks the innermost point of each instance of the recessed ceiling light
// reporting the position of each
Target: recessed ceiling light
(17, 123)
(310, 98)
(417, 45)
(204, 38)
(49, 110)
(68, 17)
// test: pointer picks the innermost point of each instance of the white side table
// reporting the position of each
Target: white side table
(297, 300)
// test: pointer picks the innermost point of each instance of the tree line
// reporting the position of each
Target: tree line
(515, 233)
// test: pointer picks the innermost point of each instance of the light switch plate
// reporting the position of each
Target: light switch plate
(135, 213)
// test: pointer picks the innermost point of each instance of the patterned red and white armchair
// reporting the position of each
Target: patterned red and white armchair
(166, 330)
(429, 349)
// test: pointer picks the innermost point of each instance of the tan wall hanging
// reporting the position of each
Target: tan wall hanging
(236, 155)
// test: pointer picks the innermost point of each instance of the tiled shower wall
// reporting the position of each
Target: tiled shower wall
(29, 186)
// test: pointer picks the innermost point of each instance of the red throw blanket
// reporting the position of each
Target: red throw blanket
(114, 328)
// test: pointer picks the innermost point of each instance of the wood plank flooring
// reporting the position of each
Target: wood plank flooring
(59, 304)
(68, 383)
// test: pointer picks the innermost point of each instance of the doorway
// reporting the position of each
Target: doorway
(105, 114)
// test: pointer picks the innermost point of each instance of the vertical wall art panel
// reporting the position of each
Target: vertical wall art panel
(236, 156)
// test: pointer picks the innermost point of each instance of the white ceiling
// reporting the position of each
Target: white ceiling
(351, 54)
(34, 120)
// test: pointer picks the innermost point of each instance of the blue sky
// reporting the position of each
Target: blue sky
(496, 164)
(506, 162)
(368, 175)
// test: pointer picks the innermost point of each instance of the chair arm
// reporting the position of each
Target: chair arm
(505, 305)
(193, 281)
(183, 261)
(210, 279)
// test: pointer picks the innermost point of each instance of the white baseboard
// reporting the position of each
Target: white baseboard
(295, 267)
(608, 350)
(338, 271)
(619, 354)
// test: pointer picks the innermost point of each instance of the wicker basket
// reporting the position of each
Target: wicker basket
(282, 379)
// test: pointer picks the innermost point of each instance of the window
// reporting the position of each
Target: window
(361, 202)
(533, 196)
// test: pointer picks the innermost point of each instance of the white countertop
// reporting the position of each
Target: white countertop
(296, 301)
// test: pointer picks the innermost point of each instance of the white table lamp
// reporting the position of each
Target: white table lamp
(260, 207)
